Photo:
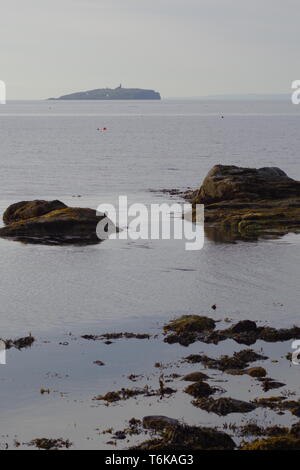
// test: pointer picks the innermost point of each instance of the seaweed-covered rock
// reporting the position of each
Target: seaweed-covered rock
(245, 203)
(19, 343)
(66, 225)
(287, 442)
(199, 389)
(183, 437)
(190, 323)
(229, 182)
(244, 332)
(256, 372)
(270, 384)
(279, 403)
(252, 429)
(50, 444)
(244, 325)
(195, 377)
(126, 393)
(185, 329)
(270, 402)
(239, 361)
(27, 209)
(295, 430)
(159, 422)
(223, 406)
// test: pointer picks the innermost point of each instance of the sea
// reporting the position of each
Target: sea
(58, 150)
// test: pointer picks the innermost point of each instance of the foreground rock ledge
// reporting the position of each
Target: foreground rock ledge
(247, 203)
(52, 222)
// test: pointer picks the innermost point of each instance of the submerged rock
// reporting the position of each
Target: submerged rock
(51, 222)
(245, 203)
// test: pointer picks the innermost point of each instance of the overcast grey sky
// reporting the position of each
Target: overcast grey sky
(178, 47)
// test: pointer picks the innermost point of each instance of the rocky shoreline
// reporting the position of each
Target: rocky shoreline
(201, 385)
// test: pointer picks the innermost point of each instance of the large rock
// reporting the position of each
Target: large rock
(227, 183)
(27, 209)
(247, 203)
(64, 225)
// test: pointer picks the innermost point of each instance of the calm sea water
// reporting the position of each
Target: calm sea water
(53, 150)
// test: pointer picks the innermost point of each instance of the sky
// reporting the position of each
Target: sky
(181, 48)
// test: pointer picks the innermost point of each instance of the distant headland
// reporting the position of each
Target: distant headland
(118, 93)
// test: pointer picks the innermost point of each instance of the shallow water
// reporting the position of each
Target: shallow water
(53, 150)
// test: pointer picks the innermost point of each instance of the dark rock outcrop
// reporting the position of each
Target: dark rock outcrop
(52, 222)
(246, 203)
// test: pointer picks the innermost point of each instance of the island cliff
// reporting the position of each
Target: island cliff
(112, 94)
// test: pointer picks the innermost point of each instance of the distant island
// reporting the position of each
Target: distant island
(118, 93)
